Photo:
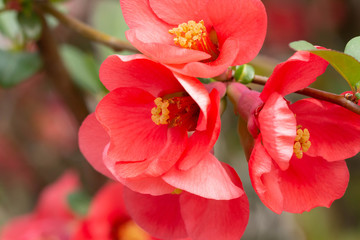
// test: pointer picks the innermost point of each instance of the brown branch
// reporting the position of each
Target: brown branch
(87, 31)
(319, 94)
(58, 74)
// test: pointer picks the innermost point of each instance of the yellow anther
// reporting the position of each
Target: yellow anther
(193, 35)
(187, 34)
(305, 146)
(160, 113)
(301, 141)
(177, 191)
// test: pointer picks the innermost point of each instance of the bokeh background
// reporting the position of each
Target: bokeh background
(38, 131)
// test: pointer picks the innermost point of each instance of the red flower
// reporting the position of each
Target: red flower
(179, 215)
(108, 219)
(52, 217)
(198, 38)
(143, 126)
(298, 158)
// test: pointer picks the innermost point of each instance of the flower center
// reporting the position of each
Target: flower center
(176, 111)
(192, 35)
(301, 142)
(130, 231)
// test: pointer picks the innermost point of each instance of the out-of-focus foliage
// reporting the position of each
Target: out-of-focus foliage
(82, 67)
(16, 67)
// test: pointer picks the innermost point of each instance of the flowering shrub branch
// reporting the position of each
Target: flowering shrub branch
(340, 100)
(85, 30)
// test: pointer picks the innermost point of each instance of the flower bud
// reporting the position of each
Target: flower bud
(244, 74)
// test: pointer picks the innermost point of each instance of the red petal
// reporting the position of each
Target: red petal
(158, 215)
(176, 12)
(244, 21)
(126, 115)
(334, 130)
(93, 150)
(207, 179)
(278, 129)
(138, 71)
(264, 177)
(161, 47)
(138, 13)
(211, 69)
(307, 183)
(207, 219)
(296, 73)
(201, 142)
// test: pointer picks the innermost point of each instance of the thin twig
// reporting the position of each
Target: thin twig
(319, 94)
(87, 31)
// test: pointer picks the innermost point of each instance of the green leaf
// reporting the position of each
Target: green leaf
(15, 67)
(345, 64)
(30, 24)
(302, 46)
(82, 67)
(353, 48)
(79, 202)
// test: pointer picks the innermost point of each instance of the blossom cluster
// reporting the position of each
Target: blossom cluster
(154, 132)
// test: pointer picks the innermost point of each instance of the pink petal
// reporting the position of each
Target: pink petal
(244, 21)
(296, 73)
(201, 142)
(264, 177)
(207, 179)
(307, 183)
(278, 129)
(93, 150)
(176, 12)
(138, 71)
(207, 219)
(53, 201)
(158, 215)
(334, 130)
(161, 48)
(138, 13)
(211, 69)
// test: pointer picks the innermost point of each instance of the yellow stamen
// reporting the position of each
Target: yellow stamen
(192, 35)
(301, 141)
(175, 110)
(160, 113)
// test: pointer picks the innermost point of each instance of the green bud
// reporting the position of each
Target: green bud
(244, 74)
